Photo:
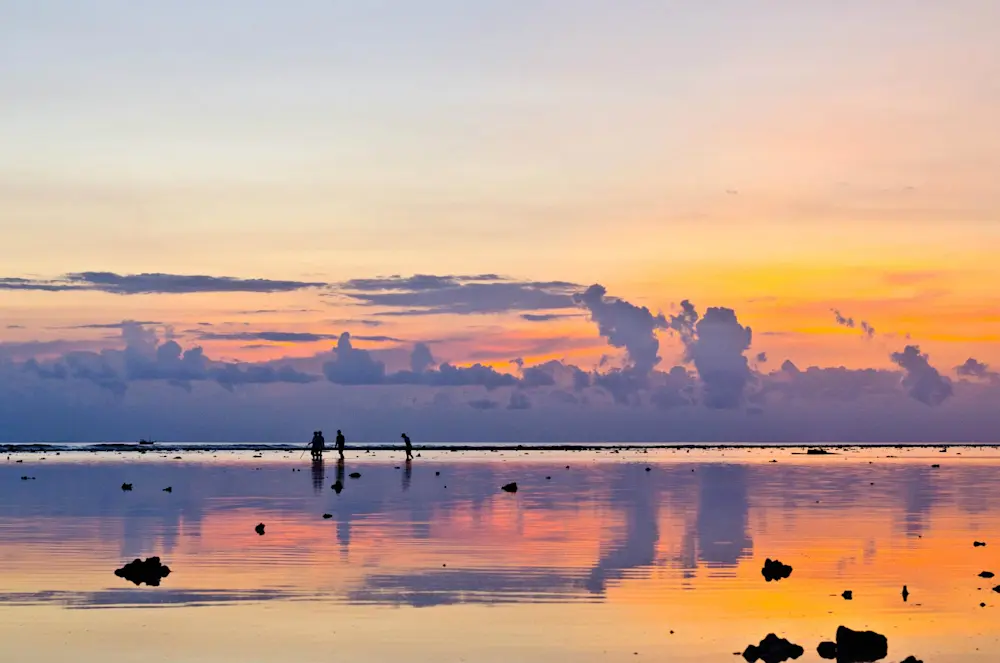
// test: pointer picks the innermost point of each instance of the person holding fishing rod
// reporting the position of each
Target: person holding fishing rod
(317, 446)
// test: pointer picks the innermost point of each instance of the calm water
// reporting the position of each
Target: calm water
(603, 561)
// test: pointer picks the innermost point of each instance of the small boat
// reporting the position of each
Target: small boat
(150, 442)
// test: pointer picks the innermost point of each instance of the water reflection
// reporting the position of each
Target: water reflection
(318, 475)
(723, 506)
(610, 533)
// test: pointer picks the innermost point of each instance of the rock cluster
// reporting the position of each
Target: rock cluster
(149, 571)
(775, 570)
(855, 646)
(772, 649)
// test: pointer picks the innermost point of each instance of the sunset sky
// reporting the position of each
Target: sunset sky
(783, 164)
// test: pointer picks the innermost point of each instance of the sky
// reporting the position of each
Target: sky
(458, 176)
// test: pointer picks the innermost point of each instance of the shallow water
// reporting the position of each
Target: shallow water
(604, 561)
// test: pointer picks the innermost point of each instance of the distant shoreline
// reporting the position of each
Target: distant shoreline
(134, 447)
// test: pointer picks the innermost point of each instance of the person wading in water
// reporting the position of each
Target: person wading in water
(317, 446)
(409, 447)
(340, 443)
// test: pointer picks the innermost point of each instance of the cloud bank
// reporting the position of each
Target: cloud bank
(719, 392)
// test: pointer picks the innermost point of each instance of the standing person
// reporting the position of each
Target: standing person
(317, 446)
(409, 447)
(340, 443)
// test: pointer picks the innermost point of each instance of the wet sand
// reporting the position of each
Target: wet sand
(597, 562)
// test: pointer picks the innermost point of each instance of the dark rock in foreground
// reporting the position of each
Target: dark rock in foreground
(126, 486)
(772, 649)
(855, 646)
(817, 452)
(149, 571)
(848, 594)
(986, 574)
(327, 516)
(337, 487)
(827, 650)
(510, 487)
(355, 475)
(168, 489)
(978, 544)
(775, 570)
(259, 529)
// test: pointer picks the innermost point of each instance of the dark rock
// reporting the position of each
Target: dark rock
(848, 594)
(911, 659)
(649, 469)
(860, 646)
(510, 487)
(772, 649)
(168, 489)
(935, 465)
(259, 529)
(355, 475)
(126, 486)
(775, 570)
(827, 650)
(548, 478)
(149, 571)
(327, 516)
(997, 589)
(982, 605)
(337, 487)
(986, 574)
(817, 452)
(906, 593)
(437, 474)
(978, 544)
(27, 478)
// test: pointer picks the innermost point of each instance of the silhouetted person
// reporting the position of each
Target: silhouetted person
(340, 444)
(318, 473)
(317, 446)
(409, 447)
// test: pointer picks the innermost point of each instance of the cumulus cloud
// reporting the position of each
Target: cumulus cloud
(921, 380)
(537, 376)
(352, 366)
(434, 295)
(155, 283)
(421, 358)
(476, 375)
(144, 358)
(831, 384)
(676, 390)
(972, 368)
(625, 325)
(715, 345)
(867, 329)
